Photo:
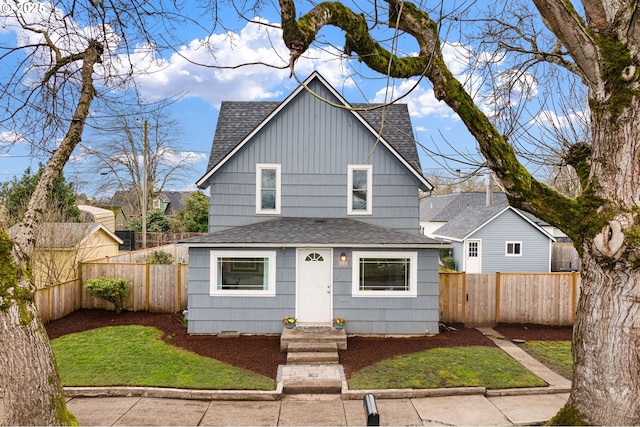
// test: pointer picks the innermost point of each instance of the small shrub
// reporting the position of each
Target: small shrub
(157, 257)
(113, 290)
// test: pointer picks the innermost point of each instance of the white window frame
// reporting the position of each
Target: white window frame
(259, 168)
(271, 283)
(512, 242)
(350, 170)
(413, 274)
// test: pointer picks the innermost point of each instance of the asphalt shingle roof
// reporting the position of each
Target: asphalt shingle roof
(444, 208)
(237, 120)
(313, 231)
(468, 220)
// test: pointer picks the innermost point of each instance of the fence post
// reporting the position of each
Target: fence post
(465, 297)
(574, 286)
(179, 267)
(146, 287)
(497, 297)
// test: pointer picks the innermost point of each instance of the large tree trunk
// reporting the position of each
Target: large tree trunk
(606, 346)
(29, 376)
(32, 391)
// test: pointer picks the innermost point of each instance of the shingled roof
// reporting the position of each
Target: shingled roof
(444, 208)
(237, 120)
(331, 232)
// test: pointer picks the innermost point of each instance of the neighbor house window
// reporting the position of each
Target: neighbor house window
(473, 249)
(251, 273)
(385, 274)
(359, 190)
(514, 248)
(268, 189)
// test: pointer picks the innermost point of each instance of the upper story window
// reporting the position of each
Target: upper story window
(513, 248)
(268, 188)
(359, 194)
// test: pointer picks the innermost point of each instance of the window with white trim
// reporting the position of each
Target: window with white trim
(385, 274)
(237, 273)
(268, 188)
(359, 186)
(473, 250)
(513, 248)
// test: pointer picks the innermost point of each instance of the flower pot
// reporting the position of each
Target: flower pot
(289, 325)
(338, 325)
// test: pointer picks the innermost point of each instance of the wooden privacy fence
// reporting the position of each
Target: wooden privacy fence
(180, 254)
(488, 299)
(156, 288)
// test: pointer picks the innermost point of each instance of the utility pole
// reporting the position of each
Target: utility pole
(145, 149)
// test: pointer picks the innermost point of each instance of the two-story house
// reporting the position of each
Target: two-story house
(313, 213)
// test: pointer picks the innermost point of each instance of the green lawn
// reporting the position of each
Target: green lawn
(447, 367)
(556, 354)
(137, 356)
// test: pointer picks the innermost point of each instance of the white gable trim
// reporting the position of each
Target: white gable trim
(201, 183)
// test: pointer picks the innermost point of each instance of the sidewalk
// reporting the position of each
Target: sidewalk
(446, 407)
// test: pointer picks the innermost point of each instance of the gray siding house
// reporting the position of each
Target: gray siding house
(497, 238)
(313, 213)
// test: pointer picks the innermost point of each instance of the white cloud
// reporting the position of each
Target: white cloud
(173, 158)
(11, 137)
(550, 119)
(203, 68)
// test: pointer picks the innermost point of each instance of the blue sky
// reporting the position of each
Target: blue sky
(164, 74)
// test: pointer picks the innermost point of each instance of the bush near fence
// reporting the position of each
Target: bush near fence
(155, 288)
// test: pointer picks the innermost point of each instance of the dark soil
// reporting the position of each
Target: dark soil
(261, 354)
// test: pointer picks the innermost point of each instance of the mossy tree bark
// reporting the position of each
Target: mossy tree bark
(32, 391)
(602, 221)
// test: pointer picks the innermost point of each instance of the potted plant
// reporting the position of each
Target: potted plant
(289, 322)
(338, 322)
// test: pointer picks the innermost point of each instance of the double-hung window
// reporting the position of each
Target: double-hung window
(513, 248)
(250, 273)
(268, 188)
(384, 274)
(359, 190)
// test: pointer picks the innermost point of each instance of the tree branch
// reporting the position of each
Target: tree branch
(564, 22)
(522, 189)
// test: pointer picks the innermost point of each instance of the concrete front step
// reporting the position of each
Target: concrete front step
(312, 387)
(289, 336)
(315, 357)
(311, 347)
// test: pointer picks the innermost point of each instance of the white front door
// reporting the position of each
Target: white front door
(473, 256)
(314, 287)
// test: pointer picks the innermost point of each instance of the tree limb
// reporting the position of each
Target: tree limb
(523, 190)
(564, 22)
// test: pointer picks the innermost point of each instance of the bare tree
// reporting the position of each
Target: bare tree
(68, 55)
(143, 144)
(599, 45)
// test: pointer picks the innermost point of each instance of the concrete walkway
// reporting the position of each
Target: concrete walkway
(445, 407)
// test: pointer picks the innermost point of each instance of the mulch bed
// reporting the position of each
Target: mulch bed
(261, 354)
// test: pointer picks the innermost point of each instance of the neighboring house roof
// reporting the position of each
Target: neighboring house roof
(66, 235)
(126, 200)
(177, 200)
(470, 220)
(239, 121)
(444, 208)
(331, 232)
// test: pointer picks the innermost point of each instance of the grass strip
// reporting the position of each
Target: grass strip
(474, 366)
(136, 356)
(555, 354)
